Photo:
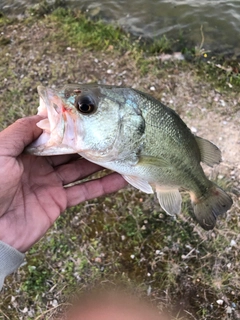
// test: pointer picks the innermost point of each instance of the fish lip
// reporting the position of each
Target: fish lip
(46, 94)
(51, 100)
(42, 91)
(55, 113)
(45, 91)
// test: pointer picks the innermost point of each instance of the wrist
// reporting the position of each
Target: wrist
(10, 260)
(15, 242)
(10, 243)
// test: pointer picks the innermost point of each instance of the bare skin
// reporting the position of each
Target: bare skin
(114, 306)
(32, 193)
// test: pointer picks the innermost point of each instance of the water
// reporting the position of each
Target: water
(220, 20)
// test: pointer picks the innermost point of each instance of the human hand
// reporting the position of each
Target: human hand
(32, 193)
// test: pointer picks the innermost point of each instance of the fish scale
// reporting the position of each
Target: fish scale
(130, 132)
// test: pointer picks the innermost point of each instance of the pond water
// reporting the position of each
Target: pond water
(219, 20)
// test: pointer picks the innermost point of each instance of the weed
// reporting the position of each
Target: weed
(160, 45)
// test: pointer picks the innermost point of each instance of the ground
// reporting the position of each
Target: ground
(125, 237)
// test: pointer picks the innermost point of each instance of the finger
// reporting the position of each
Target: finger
(94, 188)
(60, 160)
(76, 170)
(17, 136)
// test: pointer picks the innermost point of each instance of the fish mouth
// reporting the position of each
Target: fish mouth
(50, 106)
(58, 125)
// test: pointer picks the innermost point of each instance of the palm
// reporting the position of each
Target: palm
(32, 193)
(33, 187)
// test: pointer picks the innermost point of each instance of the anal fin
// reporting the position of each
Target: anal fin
(139, 183)
(170, 200)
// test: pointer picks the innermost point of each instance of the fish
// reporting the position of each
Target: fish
(134, 134)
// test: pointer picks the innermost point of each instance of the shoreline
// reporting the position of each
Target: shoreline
(193, 29)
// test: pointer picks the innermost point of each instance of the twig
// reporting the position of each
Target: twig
(202, 34)
(51, 310)
(4, 315)
(190, 314)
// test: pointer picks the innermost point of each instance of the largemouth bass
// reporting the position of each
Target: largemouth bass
(130, 132)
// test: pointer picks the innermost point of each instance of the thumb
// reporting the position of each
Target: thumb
(17, 136)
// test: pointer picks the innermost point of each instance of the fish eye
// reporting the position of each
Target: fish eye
(85, 106)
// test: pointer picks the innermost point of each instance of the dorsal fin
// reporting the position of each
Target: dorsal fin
(210, 154)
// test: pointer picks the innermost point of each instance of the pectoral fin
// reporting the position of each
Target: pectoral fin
(210, 154)
(170, 200)
(153, 161)
(139, 183)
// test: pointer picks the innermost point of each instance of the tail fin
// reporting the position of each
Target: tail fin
(210, 206)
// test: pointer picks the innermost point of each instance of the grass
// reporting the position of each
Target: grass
(89, 34)
(96, 35)
(124, 237)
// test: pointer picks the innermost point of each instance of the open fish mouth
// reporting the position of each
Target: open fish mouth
(58, 125)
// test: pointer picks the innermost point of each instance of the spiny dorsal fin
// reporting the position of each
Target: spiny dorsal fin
(210, 154)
